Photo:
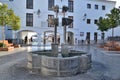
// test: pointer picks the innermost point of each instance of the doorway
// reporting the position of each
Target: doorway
(70, 38)
(95, 37)
(88, 37)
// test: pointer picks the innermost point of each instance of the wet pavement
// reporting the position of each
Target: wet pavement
(13, 66)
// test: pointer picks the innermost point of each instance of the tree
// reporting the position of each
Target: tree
(114, 18)
(103, 25)
(15, 25)
(112, 21)
(8, 18)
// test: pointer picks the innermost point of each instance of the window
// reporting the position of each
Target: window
(103, 7)
(11, 0)
(50, 17)
(9, 28)
(50, 4)
(96, 6)
(29, 19)
(29, 4)
(71, 25)
(89, 6)
(70, 5)
(95, 21)
(88, 21)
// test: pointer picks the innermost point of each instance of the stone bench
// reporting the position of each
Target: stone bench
(117, 48)
(111, 46)
(16, 46)
(9, 46)
(7, 49)
(6, 43)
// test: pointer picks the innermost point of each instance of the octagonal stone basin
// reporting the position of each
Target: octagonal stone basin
(46, 63)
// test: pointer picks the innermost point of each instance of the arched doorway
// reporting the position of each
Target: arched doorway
(26, 36)
(48, 37)
(70, 38)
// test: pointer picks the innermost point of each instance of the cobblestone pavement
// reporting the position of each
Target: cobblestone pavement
(14, 68)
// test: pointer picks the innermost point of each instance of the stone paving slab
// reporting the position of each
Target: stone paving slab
(4, 53)
(19, 71)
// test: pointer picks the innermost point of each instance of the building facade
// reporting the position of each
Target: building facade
(35, 13)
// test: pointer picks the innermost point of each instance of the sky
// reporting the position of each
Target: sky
(118, 2)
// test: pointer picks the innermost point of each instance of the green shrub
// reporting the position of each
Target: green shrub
(2, 45)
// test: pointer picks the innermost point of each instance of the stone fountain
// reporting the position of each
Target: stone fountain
(67, 62)
(46, 63)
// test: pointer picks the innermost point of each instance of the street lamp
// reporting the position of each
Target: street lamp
(56, 10)
(54, 22)
(64, 10)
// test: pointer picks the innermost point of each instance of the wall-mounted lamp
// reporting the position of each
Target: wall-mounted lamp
(84, 16)
(38, 12)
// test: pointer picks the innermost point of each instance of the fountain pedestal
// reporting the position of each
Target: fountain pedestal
(54, 48)
(64, 49)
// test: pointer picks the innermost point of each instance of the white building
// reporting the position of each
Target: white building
(34, 15)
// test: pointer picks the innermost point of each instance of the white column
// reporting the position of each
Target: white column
(39, 39)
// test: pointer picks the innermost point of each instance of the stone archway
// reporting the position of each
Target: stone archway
(48, 37)
(28, 34)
